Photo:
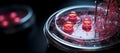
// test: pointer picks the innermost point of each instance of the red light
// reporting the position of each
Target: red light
(1, 18)
(13, 14)
(72, 17)
(86, 24)
(5, 23)
(68, 27)
(17, 20)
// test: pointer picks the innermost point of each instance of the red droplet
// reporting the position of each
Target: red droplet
(5, 23)
(13, 14)
(1, 18)
(16, 20)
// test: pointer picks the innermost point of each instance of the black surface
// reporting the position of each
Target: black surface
(53, 49)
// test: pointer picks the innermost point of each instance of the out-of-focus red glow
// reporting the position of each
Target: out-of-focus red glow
(86, 24)
(2, 18)
(17, 20)
(68, 27)
(5, 23)
(13, 14)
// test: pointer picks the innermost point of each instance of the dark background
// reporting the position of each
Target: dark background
(32, 39)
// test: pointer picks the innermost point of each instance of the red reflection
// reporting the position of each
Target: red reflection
(17, 20)
(13, 14)
(5, 23)
(2, 18)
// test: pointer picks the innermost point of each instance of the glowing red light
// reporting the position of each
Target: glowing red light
(17, 20)
(13, 14)
(87, 24)
(5, 23)
(72, 17)
(1, 18)
(68, 27)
